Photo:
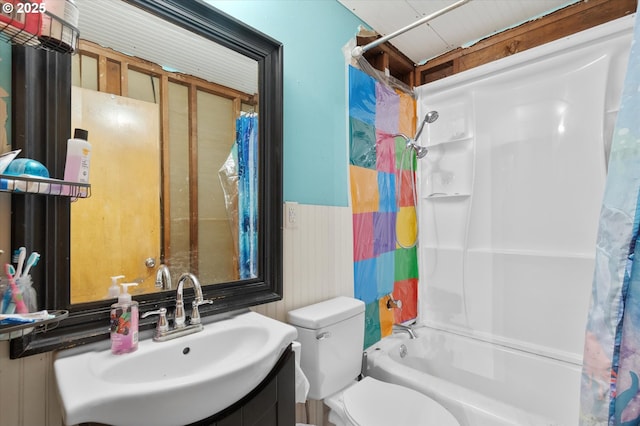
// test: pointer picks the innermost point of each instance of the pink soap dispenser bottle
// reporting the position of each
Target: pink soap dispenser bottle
(124, 323)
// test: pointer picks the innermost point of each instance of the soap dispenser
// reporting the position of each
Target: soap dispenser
(124, 322)
(114, 289)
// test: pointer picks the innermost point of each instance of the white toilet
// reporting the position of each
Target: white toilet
(332, 338)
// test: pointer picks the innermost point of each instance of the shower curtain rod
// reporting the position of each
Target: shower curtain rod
(359, 50)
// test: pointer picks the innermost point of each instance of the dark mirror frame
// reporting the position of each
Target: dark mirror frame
(41, 122)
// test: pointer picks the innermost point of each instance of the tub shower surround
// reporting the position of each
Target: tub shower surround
(380, 214)
(511, 194)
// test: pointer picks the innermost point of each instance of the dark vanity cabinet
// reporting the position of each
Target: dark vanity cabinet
(271, 403)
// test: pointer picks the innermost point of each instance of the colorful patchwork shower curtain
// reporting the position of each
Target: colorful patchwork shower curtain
(611, 366)
(380, 214)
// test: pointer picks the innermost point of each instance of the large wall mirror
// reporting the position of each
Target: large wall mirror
(183, 106)
(176, 115)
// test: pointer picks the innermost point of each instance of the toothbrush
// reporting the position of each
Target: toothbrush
(31, 262)
(21, 308)
(6, 302)
(22, 254)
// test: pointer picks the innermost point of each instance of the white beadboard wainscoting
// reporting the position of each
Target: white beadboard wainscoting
(318, 258)
(28, 395)
(318, 265)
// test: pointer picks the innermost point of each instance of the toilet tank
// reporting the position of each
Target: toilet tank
(332, 338)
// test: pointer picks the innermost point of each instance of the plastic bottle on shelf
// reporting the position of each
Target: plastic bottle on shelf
(59, 20)
(76, 168)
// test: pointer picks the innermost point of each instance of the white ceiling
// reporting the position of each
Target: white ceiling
(460, 27)
(127, 29)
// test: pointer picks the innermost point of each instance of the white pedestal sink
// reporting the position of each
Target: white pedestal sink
(174, 382)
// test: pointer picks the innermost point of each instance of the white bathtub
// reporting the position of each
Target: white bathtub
(480, 383)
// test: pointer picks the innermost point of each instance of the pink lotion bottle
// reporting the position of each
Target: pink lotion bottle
(124, 323)
(76, 168)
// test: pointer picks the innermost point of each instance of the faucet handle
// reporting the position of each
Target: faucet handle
(393, 303)
(195, 312)
(163, 324)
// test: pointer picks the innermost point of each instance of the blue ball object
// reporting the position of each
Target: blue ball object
(26, 166)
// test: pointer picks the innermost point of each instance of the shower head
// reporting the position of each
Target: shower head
(429, 118)
(421, 151)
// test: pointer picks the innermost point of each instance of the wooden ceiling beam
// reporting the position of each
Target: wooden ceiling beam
(561, 23)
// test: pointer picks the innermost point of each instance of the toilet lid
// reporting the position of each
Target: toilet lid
(371, 402)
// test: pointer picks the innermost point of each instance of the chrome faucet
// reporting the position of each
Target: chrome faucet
(199, 300)
(407, 328)
(163, 278)
(180, 328)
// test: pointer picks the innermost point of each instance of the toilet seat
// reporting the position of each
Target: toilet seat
(372, 402)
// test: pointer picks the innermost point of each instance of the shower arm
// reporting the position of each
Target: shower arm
(358, 51)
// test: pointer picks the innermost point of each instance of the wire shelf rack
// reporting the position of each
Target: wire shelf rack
(13, 331)
(31, 23)
(46, 186)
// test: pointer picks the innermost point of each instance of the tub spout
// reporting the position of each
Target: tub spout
(407, 328)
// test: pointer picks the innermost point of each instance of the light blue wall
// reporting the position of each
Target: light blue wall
(313, 33)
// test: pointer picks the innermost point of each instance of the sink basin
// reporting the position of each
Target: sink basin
(174, 382)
